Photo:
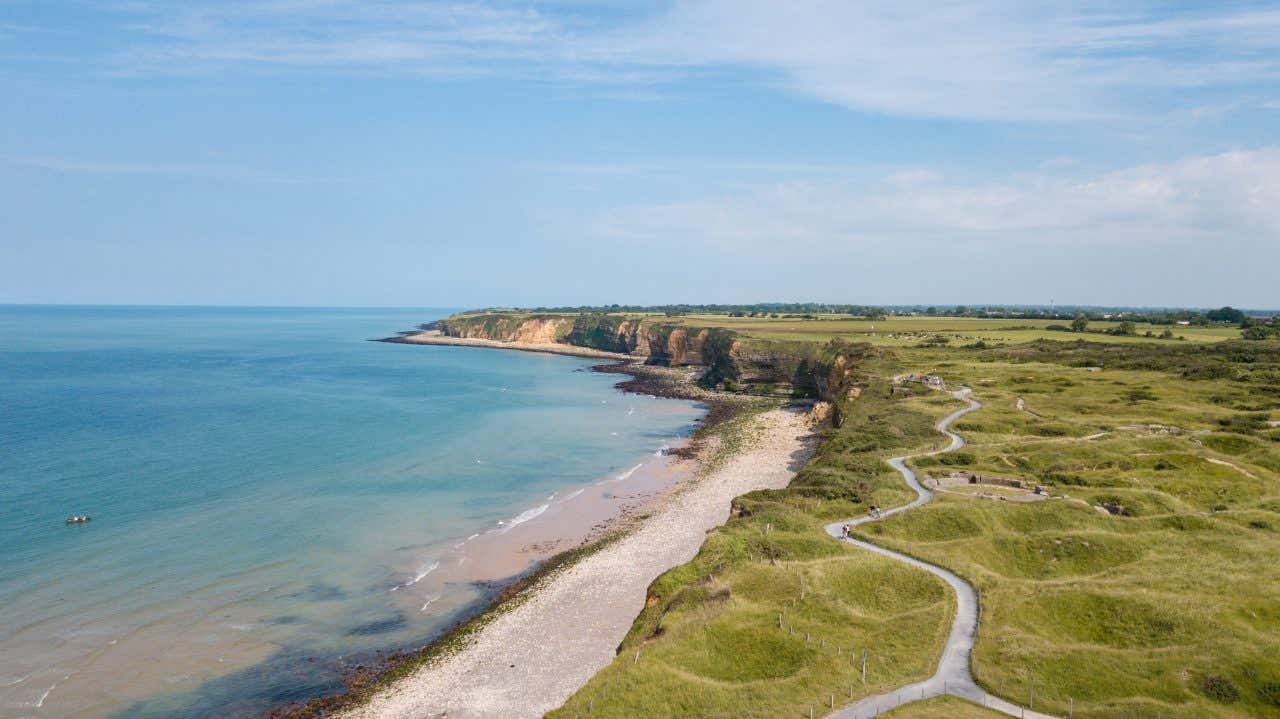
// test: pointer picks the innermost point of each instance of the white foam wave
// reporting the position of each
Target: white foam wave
(44, 696)
(422, 574)
(528, 514)
(572, 494)
(627, 474)
(430, 600)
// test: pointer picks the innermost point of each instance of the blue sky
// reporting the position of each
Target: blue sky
(397, 152)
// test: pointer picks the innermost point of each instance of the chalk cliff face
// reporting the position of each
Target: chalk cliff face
(760, 366)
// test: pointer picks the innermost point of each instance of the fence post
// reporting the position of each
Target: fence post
(864, 667)
(637, 659)
(1032, 700)
(1071, 707)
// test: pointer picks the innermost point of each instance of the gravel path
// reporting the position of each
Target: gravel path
(529, 660)
(953, 675)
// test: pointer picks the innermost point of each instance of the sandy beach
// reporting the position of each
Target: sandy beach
(531, 658)
(435, 337)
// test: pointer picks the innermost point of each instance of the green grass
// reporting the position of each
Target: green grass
(911, 331)
(942, 708)
(708, 641)
(1171, 607)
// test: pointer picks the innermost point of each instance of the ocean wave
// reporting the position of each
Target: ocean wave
(627, 474)
(527, 514)
(430, 600)
(572, 494)
(40, 702)
(422, 574)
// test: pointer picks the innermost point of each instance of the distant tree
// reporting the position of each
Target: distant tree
(1225, 314)
(1124, 329)
(1079, 323)
(1167, 334)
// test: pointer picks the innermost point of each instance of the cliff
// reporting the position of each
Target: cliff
(731, 361)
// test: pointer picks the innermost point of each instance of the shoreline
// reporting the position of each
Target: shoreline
(437, 338)
(512, 591)
(531, 656)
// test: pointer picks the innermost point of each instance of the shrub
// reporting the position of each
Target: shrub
(1141, 394)
(1269, 693)
(1220, 689)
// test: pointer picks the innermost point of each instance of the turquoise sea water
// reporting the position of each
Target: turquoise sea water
(259, 479)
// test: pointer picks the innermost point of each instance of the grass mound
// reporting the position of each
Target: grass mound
(772, 615)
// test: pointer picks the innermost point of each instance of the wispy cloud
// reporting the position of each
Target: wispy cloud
(987, 60)
(1230, 199)
(203, 172)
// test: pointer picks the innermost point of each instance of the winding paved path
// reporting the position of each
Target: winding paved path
(953, 675)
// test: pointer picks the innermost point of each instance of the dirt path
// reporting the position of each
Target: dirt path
(529, 660)
(953, 675)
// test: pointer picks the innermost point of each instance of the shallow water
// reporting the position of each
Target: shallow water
(270, 493)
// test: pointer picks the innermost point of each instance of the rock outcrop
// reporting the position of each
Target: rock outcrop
(730, 361)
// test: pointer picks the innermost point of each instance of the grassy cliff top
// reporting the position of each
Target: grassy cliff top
(904, 330)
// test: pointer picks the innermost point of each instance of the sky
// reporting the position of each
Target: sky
(558, 152)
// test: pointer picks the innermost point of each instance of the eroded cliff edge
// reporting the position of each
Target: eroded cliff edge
(727, 359)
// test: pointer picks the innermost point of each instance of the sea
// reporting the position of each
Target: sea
(269, 492)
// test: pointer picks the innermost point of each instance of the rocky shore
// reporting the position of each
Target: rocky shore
(547, 633)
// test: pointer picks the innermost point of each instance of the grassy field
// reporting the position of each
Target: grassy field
(1167, 604)
(906, 331)
(910, 331)
(771, 617)
(1170, 606)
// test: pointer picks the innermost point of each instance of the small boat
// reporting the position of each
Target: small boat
(78, 519)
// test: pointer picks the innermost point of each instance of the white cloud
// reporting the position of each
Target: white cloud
(989, 60)
(1231, 200)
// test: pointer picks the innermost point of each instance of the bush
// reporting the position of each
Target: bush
(1141, 394)
(1260, 332)
(1269, 693)
(1220, 689)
